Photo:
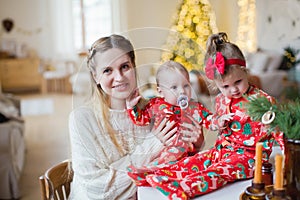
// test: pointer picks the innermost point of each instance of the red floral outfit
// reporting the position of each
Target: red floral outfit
(157, 109)
(231, 158)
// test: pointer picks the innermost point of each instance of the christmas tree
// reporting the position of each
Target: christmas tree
(193, 24)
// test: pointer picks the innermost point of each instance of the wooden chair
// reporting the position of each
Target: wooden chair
(55, 183)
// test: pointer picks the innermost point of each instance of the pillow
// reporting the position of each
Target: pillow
(257, 62)
(275, 60)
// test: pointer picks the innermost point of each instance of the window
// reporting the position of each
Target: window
(92, 20)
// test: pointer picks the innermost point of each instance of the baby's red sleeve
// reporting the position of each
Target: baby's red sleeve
(141, 117)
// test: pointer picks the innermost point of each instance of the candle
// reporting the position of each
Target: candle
(278, 172)
(258, 163)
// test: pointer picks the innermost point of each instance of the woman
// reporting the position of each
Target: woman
(104, 141)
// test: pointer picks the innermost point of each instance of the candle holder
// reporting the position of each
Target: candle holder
(257, 191)
(278, 195)
(279, 192)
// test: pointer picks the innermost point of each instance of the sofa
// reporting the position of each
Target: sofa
(267, 66)
(12, 146)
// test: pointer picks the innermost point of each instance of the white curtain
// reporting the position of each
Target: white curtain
(60, 14)
(119, 16)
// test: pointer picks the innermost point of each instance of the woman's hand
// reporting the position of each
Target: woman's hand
(165, 131)
(192, 133)
(133, 99)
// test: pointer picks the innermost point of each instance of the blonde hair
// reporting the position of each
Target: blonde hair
(100, 46)
(171, 65)
(219, 43)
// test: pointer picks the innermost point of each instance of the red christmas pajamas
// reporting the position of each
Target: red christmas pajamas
(232, 157)
(158, 109)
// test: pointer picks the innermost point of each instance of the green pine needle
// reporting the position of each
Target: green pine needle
(287, 115)
(259, 106)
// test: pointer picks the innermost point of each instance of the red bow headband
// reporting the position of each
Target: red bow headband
(219, 65)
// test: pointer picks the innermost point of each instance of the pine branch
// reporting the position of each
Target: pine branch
(287, 116)
(257, 107)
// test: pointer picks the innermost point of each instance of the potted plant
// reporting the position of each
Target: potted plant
(286, 117)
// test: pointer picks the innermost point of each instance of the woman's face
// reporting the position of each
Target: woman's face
(115, 73)
(234, 85)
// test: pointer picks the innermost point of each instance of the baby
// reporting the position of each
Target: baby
(174, 103)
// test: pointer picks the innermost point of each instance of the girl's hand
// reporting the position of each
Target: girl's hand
(133, 99)
(192, 133)
(224, 118)
(165, 131)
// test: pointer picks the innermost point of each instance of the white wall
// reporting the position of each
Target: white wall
(31, 24)
(226, 12)
(38, 26)
(34, 24)
(147, 23)
(278, 23)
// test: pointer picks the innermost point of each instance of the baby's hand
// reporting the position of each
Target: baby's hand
(133, 99)
(224, 118)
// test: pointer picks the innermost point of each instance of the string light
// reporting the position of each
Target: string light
(246, 37)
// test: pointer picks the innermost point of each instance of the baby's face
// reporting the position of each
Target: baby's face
(172, 84)
(234, 85)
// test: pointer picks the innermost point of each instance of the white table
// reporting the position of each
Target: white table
(230, 191)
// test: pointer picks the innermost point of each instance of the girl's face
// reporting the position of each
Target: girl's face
(172, 84)
(115, 73)
(234, 85)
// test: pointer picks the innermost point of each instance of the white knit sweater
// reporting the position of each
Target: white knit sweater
(99, 169)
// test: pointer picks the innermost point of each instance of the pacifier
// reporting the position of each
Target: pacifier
(183, 101)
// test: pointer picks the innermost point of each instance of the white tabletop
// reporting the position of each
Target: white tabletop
(230, 191)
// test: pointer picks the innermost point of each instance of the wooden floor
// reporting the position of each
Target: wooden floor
(47, 138)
